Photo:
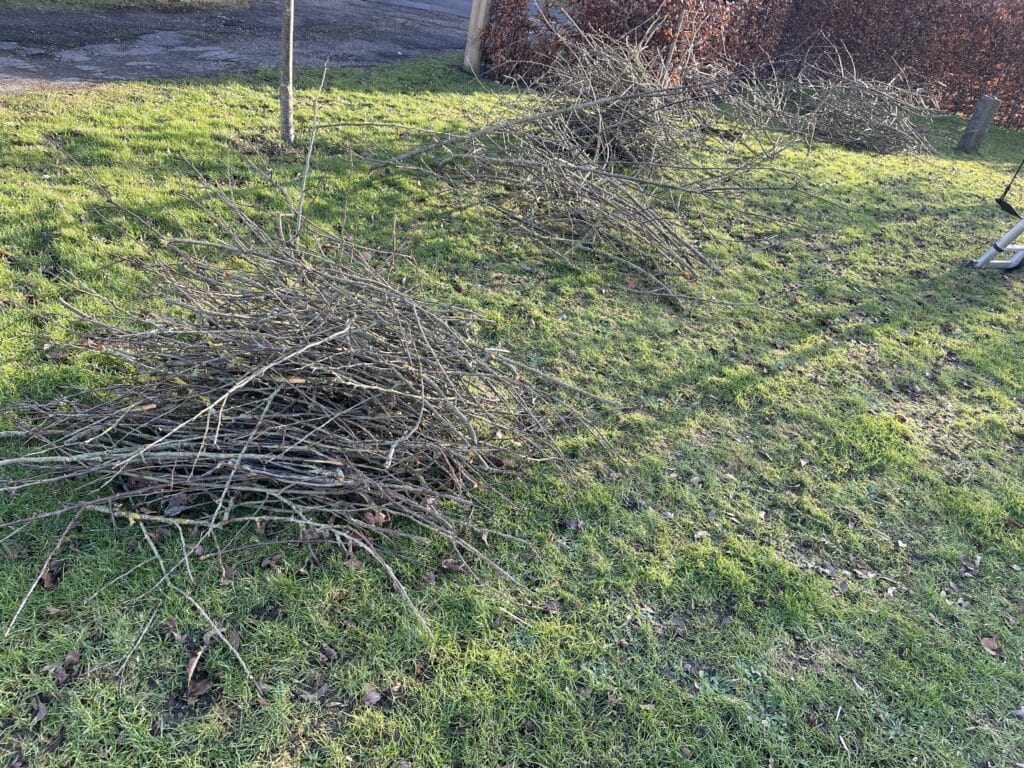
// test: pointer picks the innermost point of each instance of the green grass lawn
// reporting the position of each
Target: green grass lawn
(791, 540)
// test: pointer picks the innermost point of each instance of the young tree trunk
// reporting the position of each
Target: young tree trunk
(287, 67)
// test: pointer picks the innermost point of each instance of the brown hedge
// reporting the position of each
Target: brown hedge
(960, 49)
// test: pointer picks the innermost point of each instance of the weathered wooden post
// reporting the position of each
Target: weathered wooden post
(979, 124)
(478, 19)
(286, 89)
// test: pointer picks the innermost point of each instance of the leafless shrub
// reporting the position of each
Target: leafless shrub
(282, 382)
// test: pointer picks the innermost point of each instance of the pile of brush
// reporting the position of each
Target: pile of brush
(283, 383)
(622, 150)
(827, 100)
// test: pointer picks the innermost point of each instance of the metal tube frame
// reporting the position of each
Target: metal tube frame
(1004, 254)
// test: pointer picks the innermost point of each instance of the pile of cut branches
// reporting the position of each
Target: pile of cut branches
(612, 153)
(286, 384)
(827, 100)
(623, 150)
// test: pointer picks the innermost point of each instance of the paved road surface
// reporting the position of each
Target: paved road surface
(63, 48)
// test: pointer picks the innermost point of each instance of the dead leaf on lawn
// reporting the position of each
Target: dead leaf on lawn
(72, 659)
(329, 653)
(201, 685)
(354, 563)
(53, 573)
(57, 613)
(371, 696)
(453, 564)
(991, 646)
(193, 664)
(315, 696)
(40, 709)
(271, 561)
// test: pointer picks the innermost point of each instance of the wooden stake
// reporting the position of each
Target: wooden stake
(478, 19)
(286, 89)
(980, 122)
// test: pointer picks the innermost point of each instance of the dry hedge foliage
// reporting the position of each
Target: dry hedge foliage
(284, 383)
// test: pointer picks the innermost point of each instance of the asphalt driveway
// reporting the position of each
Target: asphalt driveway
(66, 48)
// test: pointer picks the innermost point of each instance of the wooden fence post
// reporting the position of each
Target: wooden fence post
(979, 124)
(478, 19)
(285, 88)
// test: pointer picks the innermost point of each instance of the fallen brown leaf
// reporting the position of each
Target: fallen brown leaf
(314, 696)
(193, 664)
(199, 687)
(991, 646)
(40, 710)
(54, 573)
(371, 696)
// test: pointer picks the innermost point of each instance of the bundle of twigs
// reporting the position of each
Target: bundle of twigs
(827, 100)
(284, 383)
(615, 154)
